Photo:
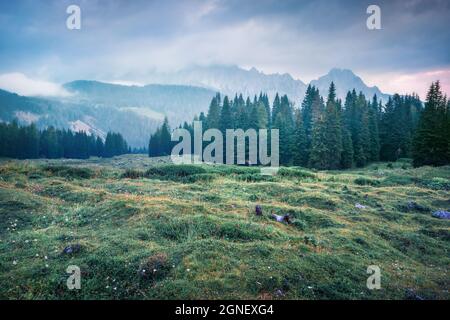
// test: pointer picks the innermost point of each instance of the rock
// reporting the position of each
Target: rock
(411, 295)
(359, 206)
(279, 293)
(414, 206)
(441, 214)
(284, 218)
(258, 210)
(71, 249)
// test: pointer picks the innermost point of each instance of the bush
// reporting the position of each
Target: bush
(155, 267)
(395, 180)
(203, 177)
(296, 173)
(310, 240)
(253, 177)
(133, 174)
(437, 183)
(366, 182)
(70, 172)
(174, 172)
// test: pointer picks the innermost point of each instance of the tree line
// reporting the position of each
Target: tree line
(27, 142)
(332, 134)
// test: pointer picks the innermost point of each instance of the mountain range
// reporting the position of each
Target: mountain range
(135, 111)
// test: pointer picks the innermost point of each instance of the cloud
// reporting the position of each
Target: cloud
(129, 40)
(19, 83)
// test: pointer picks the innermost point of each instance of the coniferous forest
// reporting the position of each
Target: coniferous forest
(334, 134)
(27, 142)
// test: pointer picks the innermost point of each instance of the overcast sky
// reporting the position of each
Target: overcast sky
(125, 40)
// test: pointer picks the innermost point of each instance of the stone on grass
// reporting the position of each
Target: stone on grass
(414, 206)
(359, 206)
(284, 218)
(71, 249)
(441, 214)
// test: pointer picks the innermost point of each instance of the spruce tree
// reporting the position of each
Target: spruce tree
(373, 118)
(329, 149)
(226, 117)
(431, 140)
(300, 156)
(213, 117)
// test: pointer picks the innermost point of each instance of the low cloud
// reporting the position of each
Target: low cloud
(21, 84)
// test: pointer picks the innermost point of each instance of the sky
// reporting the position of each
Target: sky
(125, 40)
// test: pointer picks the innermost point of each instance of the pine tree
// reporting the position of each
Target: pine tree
(373, 119)
(300, 156)
(226, 117)
(347, 149)
(329, 149)
(275, 107)
(99, 147)
(319, 152)
(213, 117)
(165, 138)
(431, 140)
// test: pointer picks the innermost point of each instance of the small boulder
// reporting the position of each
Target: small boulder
(413, 206)
(71, 249)
(258, 210)
(359, 206)
(279, 293)
(441, 214)
(412, 295)
(284, 218)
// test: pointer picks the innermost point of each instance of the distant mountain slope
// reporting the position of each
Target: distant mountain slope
(78, 116)
(230, 80)
(178, 102)
(345, 80)
(136, 111)
(233, 79)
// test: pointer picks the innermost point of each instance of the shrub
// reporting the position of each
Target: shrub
(253, 177)
(295, 173)
(70, 172)
(397, 180)
(437, 183)
(203, 177)
(366, 182)
(174, 172)
(133, 174)
(299, 224)
(310, 239)
(155, 267)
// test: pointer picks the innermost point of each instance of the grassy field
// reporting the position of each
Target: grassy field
(141, 229)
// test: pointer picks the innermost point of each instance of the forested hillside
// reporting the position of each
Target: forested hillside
(27, 142)
(334, 134)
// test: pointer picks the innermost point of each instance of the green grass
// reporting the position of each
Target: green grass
(194, 232)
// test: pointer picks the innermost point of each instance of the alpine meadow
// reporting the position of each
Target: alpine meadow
(216, 150)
